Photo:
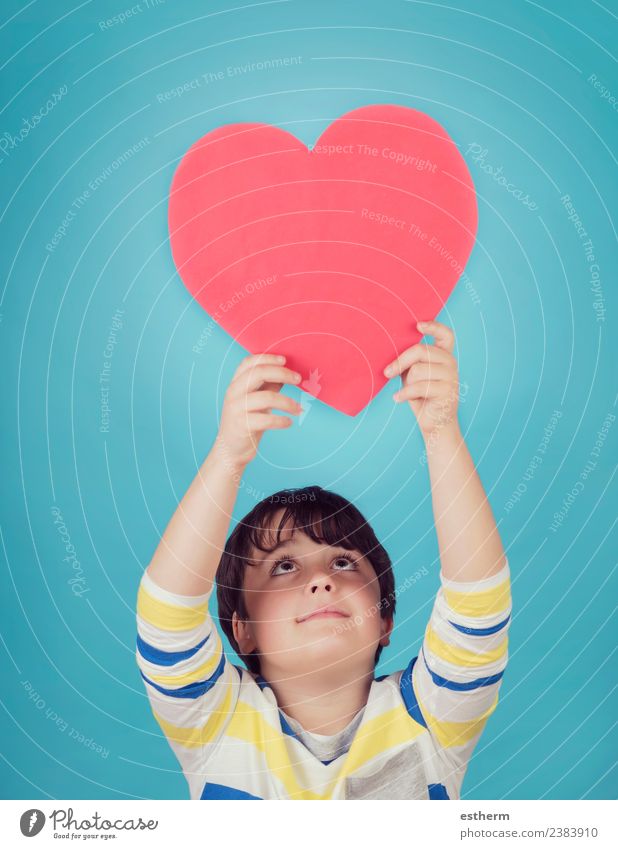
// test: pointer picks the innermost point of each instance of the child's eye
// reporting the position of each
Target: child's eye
(278, 564)
(347, 560)
(285, 561)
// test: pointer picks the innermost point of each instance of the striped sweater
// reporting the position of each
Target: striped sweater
(417, 731)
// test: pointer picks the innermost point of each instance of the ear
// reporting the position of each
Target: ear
(242, 634)
(386, 626)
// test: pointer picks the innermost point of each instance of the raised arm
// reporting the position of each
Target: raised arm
(186, 559)
(457, 676)
(191, 686)
(468, 538)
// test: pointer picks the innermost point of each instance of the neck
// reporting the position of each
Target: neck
(321, 706)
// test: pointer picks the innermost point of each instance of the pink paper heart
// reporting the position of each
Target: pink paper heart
(330, 255)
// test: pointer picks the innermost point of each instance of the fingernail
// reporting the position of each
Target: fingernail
(388, 370)
(396, 396)
(297, 377)
(281, 358)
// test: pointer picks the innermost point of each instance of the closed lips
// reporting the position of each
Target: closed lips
(330, 611)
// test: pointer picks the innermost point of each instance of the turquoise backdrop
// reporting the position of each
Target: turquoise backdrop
(115, 377)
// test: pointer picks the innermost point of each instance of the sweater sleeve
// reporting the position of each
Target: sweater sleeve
(458, 673)
(191, 686)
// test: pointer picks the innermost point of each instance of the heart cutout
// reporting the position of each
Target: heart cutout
(329, 255)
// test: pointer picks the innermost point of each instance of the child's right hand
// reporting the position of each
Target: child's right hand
(246, 414)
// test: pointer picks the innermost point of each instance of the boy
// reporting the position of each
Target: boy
(306, 596)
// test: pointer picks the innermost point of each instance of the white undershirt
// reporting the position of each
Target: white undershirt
(327, 747)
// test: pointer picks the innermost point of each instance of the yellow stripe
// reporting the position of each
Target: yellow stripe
(390, 729)
(193, 738)
(202, 672)
(456, 733)
(459, 656)
(169, 617)
(485, 603)
(248, 725)
(376, 736)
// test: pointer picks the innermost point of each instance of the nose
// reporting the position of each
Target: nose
(321, 580)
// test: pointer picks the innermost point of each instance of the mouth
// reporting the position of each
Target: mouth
(324, 612)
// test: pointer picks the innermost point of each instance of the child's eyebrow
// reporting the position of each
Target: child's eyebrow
(262, 557)
(266, 555)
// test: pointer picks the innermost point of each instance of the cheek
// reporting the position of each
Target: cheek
(274, 625)
(367, 604)
(271, 609)
(367, 592)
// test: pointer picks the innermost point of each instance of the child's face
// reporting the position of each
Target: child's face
(313, 575)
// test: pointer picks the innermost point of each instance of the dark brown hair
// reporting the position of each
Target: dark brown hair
(323, 516)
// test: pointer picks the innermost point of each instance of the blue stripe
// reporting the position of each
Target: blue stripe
(408, 695)
(437, 791)
(165, 658)
(481, 632)
(287, 728)
(190, 691)
(221, 791)
(466, 685)
(261, 682)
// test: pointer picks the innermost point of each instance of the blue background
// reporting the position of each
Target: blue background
(532, 337)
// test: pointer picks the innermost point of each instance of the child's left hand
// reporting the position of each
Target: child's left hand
(429, 377)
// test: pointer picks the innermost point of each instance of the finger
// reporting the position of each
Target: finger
(419, 389)
(267, 400)
(272, 387)
(257, 359)
(428, 371)
(420, 353)
(255, 376)
(267, 421)
(444, 336)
